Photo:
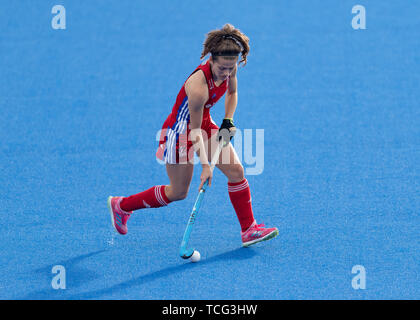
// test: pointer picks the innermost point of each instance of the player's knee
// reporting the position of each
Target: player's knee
(183, 195)
(178, 195)
(236, 173)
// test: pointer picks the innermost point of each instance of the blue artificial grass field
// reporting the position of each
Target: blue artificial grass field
(81, 108)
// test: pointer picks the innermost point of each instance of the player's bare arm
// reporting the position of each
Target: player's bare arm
(228, 129)
(231, 100)
(197, 92)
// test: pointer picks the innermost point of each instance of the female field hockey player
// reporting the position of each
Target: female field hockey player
(190, 128)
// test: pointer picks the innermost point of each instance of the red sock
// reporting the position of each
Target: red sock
(240, 196)
(154, 197)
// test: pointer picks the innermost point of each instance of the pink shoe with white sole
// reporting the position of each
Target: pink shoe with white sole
(257, 233)
(119, 217)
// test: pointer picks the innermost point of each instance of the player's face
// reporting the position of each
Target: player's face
(223, 67)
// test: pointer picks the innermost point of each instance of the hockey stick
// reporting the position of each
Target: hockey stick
(184, 252)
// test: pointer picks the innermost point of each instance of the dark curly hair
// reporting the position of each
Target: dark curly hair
(228, 42)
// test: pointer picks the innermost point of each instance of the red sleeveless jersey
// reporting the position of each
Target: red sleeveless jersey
(180, 109)
(177, 122)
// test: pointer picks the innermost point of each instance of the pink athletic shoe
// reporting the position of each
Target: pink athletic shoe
(119, 217)
(256, 233)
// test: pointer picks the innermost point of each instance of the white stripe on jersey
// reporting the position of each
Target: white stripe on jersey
(181, 123)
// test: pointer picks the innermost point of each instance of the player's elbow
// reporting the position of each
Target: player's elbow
(232, 92)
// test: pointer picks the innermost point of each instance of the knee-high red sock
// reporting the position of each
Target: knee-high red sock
(154, 197)
(240, 196)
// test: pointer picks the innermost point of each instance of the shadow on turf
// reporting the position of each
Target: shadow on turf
(77, 274)
(236, 254)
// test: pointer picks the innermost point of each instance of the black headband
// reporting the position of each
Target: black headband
(230, 53)
(227, 36)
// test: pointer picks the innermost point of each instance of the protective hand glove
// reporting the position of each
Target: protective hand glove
(227, 131)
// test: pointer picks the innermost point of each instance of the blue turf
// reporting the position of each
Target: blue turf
(81, 107)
